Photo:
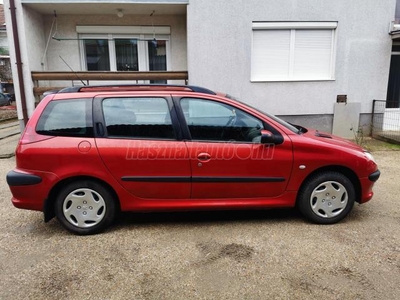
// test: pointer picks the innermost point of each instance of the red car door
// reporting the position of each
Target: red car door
(140, 147)
(226, 155)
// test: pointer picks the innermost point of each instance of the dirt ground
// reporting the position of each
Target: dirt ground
(220, 255)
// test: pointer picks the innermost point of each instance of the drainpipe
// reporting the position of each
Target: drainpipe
(18, 60)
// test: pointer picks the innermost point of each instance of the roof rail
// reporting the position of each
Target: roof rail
(136, 87)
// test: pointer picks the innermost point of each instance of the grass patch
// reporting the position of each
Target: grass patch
(377, 145)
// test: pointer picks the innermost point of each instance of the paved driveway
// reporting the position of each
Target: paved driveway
(220, 255)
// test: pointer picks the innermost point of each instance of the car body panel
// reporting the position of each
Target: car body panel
(311, 154)
(239, 170)
(143, 167)
(183, 174)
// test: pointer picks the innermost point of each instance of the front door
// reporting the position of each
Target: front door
(139, 146)
(226, 156)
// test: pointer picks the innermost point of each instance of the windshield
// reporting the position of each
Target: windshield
(275, 118)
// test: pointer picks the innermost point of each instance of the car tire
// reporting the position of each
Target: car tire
(326, 198)
(85, 207)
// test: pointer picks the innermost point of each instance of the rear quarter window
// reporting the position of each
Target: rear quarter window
(67, 118)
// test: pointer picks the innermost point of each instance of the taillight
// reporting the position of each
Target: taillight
(30, 136)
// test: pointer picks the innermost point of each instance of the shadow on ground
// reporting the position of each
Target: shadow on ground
(127, 219)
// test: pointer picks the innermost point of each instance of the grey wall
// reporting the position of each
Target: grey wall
(219, 52)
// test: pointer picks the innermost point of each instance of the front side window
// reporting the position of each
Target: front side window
(147, 118)
(284, 51)
(215, 121)
(67, 118)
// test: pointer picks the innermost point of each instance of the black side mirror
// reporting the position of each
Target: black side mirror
(267, 137)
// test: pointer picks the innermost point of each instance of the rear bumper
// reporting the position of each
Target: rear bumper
(30, 188)
(16, 178)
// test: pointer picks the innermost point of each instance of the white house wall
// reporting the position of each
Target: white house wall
(35, 39)
(219, 52)
(30, 29)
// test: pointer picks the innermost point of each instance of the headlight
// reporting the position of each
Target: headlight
(369, 156)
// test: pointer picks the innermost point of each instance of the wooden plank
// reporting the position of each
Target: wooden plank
(90, 75)
(41, 90)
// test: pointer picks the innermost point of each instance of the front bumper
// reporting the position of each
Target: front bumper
(374, 176)
(367, 183)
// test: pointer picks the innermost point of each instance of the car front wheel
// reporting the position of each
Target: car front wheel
(85, 207)
(326, 198)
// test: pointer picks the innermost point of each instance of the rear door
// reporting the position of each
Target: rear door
(140, 143)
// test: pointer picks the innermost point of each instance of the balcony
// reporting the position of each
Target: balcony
(43, 80)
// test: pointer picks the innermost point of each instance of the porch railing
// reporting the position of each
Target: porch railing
(385, 123)
(86, 77)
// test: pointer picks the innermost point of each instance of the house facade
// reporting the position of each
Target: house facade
(5, 65)
(291, 58)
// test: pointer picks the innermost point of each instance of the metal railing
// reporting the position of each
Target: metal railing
(385, 123)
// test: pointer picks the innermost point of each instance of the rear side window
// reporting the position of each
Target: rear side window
(67, 118)
(144, 118)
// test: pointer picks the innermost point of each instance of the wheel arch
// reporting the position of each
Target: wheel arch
(350, 174)
(48, 208)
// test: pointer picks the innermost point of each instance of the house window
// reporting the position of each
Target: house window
(97, 55)
(293, 51)
(126, 54)
(157, 57)
(124, 48)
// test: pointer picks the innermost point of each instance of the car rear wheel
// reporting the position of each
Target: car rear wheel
(85, 207)
(326, 198)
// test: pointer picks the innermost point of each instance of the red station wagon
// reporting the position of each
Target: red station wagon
(90, 152)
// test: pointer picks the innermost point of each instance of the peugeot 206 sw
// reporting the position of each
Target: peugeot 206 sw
(88, 153)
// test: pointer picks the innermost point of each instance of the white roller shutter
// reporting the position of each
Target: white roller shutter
(305, 52)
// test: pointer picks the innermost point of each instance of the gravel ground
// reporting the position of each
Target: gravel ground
(8, 112)
(220, 255)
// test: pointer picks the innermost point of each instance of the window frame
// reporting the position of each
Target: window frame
(292, 27)
(142, 33)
